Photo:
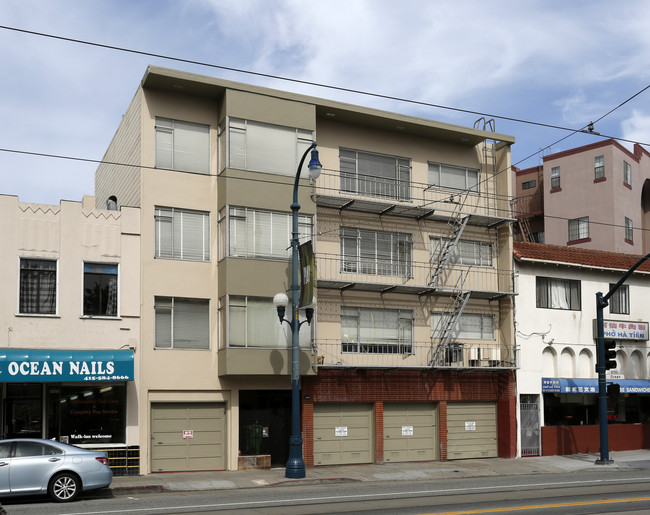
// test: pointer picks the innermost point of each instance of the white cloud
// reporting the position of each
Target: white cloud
(558, 62)
(637, 127)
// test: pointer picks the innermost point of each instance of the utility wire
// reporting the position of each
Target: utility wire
(252, 179)
(288, 79)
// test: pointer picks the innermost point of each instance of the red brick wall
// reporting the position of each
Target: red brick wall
(377, 387)
(586, 439)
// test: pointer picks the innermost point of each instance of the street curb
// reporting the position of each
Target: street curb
(144, 489)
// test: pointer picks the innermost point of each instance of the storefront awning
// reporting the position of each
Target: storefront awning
(563, 385)
(53, 366)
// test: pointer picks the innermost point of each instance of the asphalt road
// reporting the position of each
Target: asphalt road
(607, 491)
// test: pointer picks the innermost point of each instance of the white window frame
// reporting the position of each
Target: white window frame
(177, 236)
(166, 313)
(451, 177)
(528, 185)
(470, 326)
(466, 253)
(629, 229)
(376, 330)
(266, 147)
(375, 175)
(619, 302)
(555, 293)
(599, 167)
(362, 252)
(555, 178)
(182, 146)
(257, 233)
(115, 293)
(578, 228)
(252, 322)
(627, 173)
(26, 259)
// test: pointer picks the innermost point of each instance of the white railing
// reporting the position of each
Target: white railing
(335, 353)
(414, 194)
(330, 267)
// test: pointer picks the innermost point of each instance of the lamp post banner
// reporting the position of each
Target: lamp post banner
(307, 273)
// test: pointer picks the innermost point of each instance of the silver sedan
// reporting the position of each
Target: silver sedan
(33, 466)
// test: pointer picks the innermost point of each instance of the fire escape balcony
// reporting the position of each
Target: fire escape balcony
(387, 276)
(386, 355)
(384, 196)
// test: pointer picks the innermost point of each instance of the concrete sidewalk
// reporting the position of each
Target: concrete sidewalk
(188, 481)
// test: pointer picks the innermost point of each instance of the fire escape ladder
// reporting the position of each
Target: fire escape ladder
(455, 227)
(447, 325)
(489, 164)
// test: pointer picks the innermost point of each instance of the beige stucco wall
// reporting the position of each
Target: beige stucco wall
(72, 235)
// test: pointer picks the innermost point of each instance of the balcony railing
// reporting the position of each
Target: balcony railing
(333, 271)
(410, 199)
(458, 355)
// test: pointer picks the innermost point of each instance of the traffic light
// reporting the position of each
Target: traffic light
(613, 389)
(610, 354)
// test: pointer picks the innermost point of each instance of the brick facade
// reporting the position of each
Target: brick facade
(441, 386)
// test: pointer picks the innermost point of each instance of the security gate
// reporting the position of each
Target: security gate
(530, 425)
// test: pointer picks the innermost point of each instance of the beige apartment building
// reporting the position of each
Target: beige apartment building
(70, 326)
(595, 196)
(410, 355)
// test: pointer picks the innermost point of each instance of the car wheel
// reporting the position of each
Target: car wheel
(64, 487)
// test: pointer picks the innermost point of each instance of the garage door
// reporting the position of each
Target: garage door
(187, 436)
(471, 430)
(343, 434)
(410, 431)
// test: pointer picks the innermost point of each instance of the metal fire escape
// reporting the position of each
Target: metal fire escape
(455, 226)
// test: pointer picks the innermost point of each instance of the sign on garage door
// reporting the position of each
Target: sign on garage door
(410, 431)
(471, 430)
(187, 436)
(343, 434)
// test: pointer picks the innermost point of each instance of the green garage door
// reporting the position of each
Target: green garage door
(188, 436)
(471, 430)
(410, 431)
(343, 434)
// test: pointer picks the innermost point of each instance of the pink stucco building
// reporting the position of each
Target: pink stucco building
(595, 196)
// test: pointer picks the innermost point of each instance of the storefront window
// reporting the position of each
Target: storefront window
(87, 414)
(570, 409)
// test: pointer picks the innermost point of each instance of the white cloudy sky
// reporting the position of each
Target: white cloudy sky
(550, 61)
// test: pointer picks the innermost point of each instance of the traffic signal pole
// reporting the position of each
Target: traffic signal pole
(601, 302)
(601, 363)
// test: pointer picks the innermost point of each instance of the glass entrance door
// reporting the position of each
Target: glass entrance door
(23, 413)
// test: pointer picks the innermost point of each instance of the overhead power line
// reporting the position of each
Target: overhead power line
(230, 177)
(300, 81)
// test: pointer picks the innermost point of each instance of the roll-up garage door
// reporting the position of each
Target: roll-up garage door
(188, 436)
(410, 431)
(471, 430)
(343, 433)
